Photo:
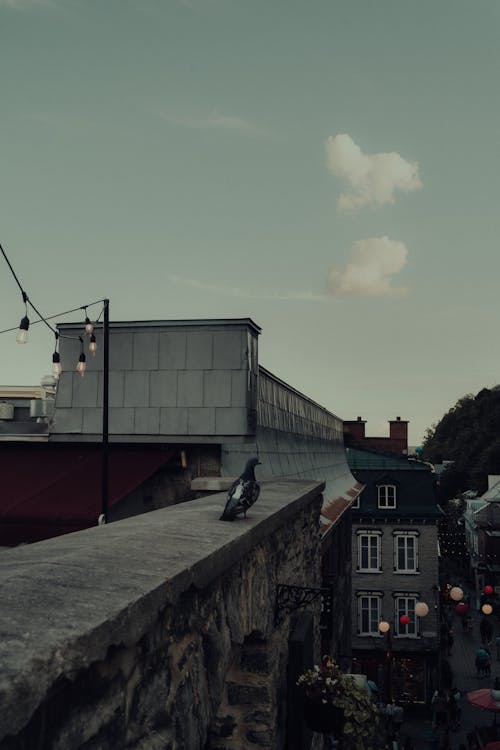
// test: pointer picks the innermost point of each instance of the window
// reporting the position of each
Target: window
(355, 503)
(369, 608)
(369, 551)
(405, 605)
(406, 552)
(386, 495)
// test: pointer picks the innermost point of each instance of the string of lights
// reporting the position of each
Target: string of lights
(22, 330)
(88, 331)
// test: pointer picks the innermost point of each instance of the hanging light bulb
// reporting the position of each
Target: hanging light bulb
(92, 345)
(22, 334)
(82, 364)
(56, 364)
(89, 326)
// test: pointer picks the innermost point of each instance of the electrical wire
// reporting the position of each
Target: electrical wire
(42, 318)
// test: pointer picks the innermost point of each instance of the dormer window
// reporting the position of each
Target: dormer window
(386, 496)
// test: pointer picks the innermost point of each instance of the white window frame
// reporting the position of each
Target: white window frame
(355, 503)
(405, 536)
(384, 500)
(370, 604)
(404, 604)
(374, 545)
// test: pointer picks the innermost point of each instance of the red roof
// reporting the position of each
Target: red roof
(47, 490)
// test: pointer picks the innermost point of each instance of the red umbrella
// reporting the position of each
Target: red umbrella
(482, 699)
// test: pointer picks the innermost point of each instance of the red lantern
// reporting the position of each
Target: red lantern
(488, 590)
(404, 619)
(462, 608)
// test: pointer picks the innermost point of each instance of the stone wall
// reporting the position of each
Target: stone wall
(157, 632)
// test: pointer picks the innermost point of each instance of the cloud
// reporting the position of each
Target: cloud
(373, 178)
(216, 120)
(373, 263)
(233, 291)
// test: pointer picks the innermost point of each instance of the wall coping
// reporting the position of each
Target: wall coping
(66, 600)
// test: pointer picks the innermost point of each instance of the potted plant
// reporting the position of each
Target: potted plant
(336, 704)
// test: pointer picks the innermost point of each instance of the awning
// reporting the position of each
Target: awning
(48, 490)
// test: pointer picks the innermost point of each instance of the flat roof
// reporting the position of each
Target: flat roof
(191, 323)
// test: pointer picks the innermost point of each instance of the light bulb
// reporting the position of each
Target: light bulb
(384, 626)
(421, 609)
(89, 326)
(82, 365)
(92, 345)
(22, 334)
(56, 364)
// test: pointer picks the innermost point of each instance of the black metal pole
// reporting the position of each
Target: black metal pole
(105, 416)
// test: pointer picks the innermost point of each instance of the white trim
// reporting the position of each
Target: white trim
(405, 535)
(405, 605)
(373, 612)
(386, 502)
(373, 545)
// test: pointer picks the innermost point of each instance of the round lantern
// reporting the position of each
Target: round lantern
(461, 608)
(456, 593)
(486, 609)
(488, 590)
(404, 619)
(384, 626)
(421, 609)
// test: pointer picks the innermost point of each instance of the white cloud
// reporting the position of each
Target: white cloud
(216, 120)
(373, 263)
(373, 178)
(233, 291)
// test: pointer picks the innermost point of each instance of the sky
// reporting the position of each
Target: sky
(329, 169)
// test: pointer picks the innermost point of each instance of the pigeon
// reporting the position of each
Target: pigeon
(242, 493)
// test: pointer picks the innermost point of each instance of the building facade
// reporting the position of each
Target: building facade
(395, 569)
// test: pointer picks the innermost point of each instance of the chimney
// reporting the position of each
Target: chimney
(355, 429)
(398, 432)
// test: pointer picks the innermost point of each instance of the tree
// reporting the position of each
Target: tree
(469, 435)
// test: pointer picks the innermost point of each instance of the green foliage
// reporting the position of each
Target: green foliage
(469, 435)
(326, 683)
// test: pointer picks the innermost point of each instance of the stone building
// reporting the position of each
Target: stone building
(395, 567)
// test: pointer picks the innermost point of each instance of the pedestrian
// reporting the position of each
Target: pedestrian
(481, 661)
(398, 718)
(454, 710)
(439, 707)
(486, 631)
(487, 669)
(389, 716)
(497, 644)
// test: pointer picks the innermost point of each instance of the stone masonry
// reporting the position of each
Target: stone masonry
(157, 632)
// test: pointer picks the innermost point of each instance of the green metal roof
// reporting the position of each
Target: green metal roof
(367, 459)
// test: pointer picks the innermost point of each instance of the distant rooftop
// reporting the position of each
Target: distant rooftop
(364, 459)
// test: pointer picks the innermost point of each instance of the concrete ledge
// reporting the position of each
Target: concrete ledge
(66, 601)
(212, 484)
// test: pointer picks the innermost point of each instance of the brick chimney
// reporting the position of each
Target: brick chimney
(398, 430)
(355, 428)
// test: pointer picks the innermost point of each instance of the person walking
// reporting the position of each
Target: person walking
(486, 631)
(481, 660)
(497, 644)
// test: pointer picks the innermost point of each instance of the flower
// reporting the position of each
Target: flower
(327, 684)
(323, 682)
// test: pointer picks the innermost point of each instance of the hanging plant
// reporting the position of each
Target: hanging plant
(334, 703)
